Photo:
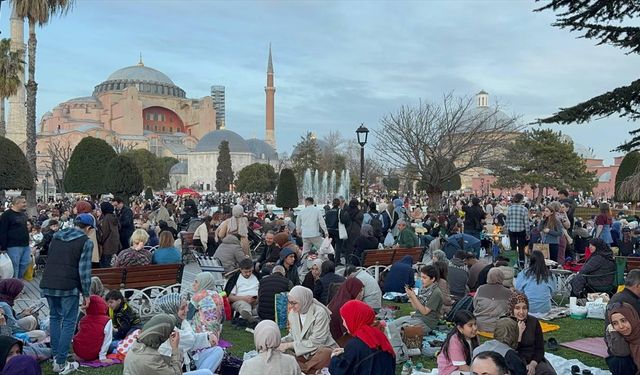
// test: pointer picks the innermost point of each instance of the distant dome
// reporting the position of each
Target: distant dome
(180, 168)
(145, 79)
(606, 177)
(212, 140)
(261, 149)
(580, 149)
(487, 111)
(84, 99)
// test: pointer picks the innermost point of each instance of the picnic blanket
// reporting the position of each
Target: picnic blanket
(546, 327)
(592, 345)
(554, 313)
(97, 363)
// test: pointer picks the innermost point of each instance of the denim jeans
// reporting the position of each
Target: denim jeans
(20, 259)
(63, 314)
(210, 359)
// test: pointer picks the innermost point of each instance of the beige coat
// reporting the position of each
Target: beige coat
(95, 255)
(489, 304)
(143, 360)
(280, 363)
(313, 334)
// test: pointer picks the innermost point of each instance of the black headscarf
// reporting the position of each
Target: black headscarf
(6, 343)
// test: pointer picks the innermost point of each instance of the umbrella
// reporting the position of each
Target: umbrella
(454, 244)
(185, 191)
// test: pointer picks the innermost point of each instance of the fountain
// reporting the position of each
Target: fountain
(323, 187)
(307, 184)
(316, 188)
(331, 193)
(324, 193)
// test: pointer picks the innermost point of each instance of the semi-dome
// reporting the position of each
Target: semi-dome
(180, 168)
(140, 73)
(211, 141)
(146, 80)
(261, 149)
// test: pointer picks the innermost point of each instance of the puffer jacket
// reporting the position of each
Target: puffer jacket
(230, 253)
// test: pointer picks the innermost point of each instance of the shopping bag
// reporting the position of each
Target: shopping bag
(28, 273)
(543, 248)
(326, 247)
(389, 240)
(6, 267)
(506, 243)
(596, 309)
(342, 230)
(281, 302)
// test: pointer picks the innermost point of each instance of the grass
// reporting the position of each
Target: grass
(570, 329)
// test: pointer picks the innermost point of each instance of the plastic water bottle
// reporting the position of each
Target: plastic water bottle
(418, 281)
(407, 368)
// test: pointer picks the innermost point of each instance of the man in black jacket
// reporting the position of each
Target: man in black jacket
(270, 286)
(125, 219)
(332, 220)
(269, 254)
(327, 277)
(14, 236)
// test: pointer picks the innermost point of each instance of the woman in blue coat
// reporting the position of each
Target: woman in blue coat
(399, 275)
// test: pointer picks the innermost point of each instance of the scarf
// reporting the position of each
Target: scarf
(157, 330)
(359, 318)
(266, 336)
(237, 224)
(205, 281)
(516, 298)
(304, 296)
(495, 276)
(6, 343)
(10, 289)
(506, 331)
(633, 339)
(281, 239)
(170, 304)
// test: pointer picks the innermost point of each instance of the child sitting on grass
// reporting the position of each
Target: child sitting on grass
(125, 319)
(460, 342)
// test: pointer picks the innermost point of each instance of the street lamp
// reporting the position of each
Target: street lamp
(363, 134)
(46, 186)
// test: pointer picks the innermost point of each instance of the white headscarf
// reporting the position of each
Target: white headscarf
(266, 336)
(237, 223)
(304, 296)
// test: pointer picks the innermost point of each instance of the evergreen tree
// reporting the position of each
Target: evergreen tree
(287, 192)
(258, 178)
(122, 178)
(14, 168)
(306, 155)
(542, 159)
(87, 165)
(154, 170)
(224, 172)
(166, 162)
(391, 183)
(608, 22)
(148, 193)
(628, 167)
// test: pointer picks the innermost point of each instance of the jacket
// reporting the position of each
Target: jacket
(144, 360)
(400, 274)
(310, 222)
(531, 346)
(88, 341)
(125, 220)
(13, 229)
(600, 263)
(69, 262)
(269, 287)
(539, 293)
(321, 289)
(407, 239)
(372, 292)
(109, 240)
(125, 319)
(312, 334)
(359, 358)
(230, 253)
(190, 342)
(489, 304)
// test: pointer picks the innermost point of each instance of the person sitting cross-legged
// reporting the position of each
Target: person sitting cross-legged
(242, 289)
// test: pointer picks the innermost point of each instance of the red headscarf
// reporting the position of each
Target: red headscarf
(359, 317)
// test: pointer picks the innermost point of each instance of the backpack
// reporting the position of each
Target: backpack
(465, 303)
(376, 223)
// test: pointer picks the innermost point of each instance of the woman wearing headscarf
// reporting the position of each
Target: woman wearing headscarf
(201, 347)
(269, 360)
(601, 262)
(505, 341)
(349, 290)
(109, 241)
(369, 351)
(9, 348)
(22, 365)
(491, 301)
(400, 275)
(623, 339)
(313, 275)
(353, 230)
(530, 339)
(366, 241)
(84, 207)
(309, 335)
(237, 224)
(10, 289)
(206, 308)
(144, 358)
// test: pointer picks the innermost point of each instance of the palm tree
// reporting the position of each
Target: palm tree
(11, 69)
(37, 12)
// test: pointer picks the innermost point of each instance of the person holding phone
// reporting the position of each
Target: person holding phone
(242, 289)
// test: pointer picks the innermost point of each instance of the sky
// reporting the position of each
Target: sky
(337, 63)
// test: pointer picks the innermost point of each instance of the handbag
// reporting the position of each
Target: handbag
(230, 365)
(543, 248)
(342, 230)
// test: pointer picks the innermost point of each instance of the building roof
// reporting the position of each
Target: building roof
(140, 73)
(85, 99)
(180, 168)
(210, 141)
(605, 177)
(261, 149)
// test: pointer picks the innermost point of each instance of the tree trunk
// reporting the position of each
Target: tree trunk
(3, 127)
(435, 201)
(32, 88)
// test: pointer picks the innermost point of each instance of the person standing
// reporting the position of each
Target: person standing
(309, 225)
(66, 276)
(125, 219)
(473, 218)
(14, 236)
(109, 235)
(517, 223)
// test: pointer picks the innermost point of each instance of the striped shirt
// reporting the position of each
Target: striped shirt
(517, 218)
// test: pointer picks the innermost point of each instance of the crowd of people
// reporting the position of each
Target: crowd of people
(313, 256)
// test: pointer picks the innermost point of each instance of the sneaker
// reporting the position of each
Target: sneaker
(69, 367)
(57, 367)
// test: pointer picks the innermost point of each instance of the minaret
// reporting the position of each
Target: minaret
(17, 121)
(270, 91)
(482, 99)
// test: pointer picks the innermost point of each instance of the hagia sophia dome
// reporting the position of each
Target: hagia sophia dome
(146, 79)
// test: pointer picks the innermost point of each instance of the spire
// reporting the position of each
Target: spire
(140, 63)
(270, 65)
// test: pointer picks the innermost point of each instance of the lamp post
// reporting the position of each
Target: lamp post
(46, 186)
(363, 134)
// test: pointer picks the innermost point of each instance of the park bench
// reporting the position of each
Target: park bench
(141, 285)
(377, 261)
(414, 252)
(189, 250)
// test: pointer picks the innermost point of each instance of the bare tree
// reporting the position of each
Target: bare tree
(59, 155)
(441, 141)
(121, 148)
(372, 166)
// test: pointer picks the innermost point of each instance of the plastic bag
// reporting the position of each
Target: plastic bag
(28, 273)
(6, 267)
(388, 240)
(506, 243)
(596, 309)
(326, 247)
